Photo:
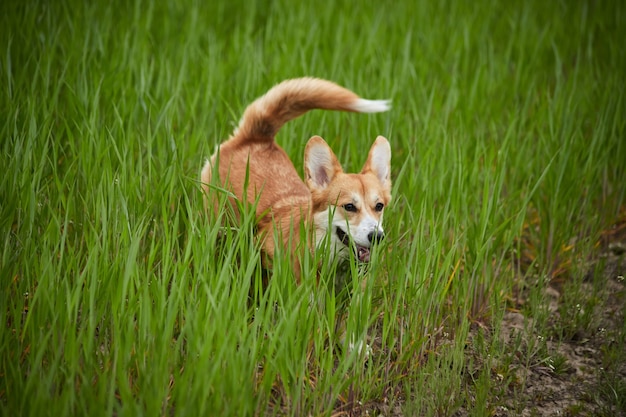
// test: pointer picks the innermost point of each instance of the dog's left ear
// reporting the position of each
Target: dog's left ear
(320, 163)
(379, 161)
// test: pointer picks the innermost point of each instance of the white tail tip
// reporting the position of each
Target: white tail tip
(371, 106)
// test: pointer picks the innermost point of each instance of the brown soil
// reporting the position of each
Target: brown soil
(589, 365)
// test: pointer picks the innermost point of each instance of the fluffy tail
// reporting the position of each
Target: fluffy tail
(292, 98)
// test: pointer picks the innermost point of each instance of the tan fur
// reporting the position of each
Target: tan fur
(284, 202)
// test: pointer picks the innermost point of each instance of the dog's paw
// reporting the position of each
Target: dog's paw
(361, 348)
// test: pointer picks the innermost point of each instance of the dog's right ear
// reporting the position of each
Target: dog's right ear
(320, 163)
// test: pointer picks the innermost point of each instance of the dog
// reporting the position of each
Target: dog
(343, 209)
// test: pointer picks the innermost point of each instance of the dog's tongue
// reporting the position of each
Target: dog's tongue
(363, 253)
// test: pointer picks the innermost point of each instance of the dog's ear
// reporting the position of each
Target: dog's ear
(320, 163)
(379, 161)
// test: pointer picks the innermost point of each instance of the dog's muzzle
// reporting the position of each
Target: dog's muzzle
(362, 252)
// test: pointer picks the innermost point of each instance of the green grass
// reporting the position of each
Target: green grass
(117, 297)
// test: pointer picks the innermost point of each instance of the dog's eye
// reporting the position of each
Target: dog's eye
(379, 207)
(349, 207)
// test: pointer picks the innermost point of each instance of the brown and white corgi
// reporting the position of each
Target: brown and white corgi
(347, 209)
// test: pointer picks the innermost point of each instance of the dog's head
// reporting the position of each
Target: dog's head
(348, 208)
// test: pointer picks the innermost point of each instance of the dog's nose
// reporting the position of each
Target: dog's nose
(375, 236)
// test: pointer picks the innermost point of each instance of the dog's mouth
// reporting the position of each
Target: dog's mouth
(362, 252)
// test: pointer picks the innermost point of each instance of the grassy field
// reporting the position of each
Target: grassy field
(508, 144)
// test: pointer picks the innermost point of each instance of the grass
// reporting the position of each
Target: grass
(118, 297)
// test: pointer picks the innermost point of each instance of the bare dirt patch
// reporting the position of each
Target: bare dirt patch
(579, 373)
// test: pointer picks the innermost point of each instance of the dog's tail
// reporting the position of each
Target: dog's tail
(292, 98)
